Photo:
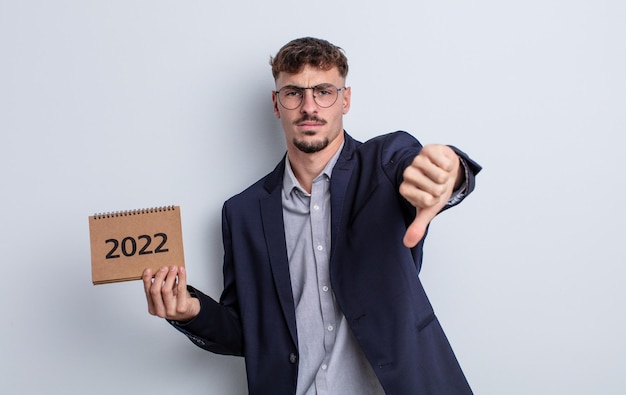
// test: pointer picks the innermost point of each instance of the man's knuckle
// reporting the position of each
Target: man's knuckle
(181, 309)
(430, 200)
(440, 190)
(439, 179)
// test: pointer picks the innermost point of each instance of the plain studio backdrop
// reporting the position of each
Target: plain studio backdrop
(116, 105)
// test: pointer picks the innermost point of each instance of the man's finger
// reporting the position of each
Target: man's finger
(147, 284)
(441, 156)
(182, 282)
(155, 292)
(169, 299)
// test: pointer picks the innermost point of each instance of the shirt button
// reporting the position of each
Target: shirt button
(324, 367)
(320, 248)
(316, 207)
(325, 288)
(293, 358)
(330, 328)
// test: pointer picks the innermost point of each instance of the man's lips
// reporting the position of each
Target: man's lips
(310, 122)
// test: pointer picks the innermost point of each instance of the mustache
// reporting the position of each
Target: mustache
(310, 118)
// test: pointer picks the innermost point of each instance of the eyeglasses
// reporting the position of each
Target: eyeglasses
(325, 95)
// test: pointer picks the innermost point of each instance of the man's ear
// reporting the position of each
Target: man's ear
(346, 100)
(275, 102)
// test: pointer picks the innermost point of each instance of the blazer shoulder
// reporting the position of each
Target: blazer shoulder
(390, 144)
(262, 187)
(397, 139)
(393, 152)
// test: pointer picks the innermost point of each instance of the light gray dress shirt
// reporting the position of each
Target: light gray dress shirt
(330, 359)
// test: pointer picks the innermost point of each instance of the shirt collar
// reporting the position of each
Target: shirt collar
(290, 182)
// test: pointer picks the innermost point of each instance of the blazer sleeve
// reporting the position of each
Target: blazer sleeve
(217, 328)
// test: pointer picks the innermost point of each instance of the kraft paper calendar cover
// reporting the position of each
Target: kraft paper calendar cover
(125, 243)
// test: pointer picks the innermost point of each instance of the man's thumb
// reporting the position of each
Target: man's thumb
(415, 232)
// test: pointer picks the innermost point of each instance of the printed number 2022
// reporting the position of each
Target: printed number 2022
(128, 246)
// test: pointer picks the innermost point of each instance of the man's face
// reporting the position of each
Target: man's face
(309, 127)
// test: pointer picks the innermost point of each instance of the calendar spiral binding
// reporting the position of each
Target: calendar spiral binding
(126, 213)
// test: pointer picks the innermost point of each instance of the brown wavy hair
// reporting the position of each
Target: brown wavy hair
(296, 54)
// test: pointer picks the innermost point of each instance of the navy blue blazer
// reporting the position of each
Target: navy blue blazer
(373, 275)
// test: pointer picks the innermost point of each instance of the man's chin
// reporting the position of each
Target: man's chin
(310, 147)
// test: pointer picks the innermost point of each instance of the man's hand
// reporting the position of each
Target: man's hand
(167, 295)
(428, 185)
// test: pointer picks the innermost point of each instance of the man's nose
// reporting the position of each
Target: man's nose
(308, 102)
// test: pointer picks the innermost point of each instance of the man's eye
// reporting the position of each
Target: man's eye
(324, 91)
(292, 93)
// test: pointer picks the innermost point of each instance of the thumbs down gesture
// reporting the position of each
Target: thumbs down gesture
(428, 185)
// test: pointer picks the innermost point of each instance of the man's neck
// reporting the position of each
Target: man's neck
(308, 166)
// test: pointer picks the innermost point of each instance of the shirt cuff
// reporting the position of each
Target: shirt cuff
(460, 193)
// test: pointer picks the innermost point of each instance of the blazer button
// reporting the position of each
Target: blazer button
(293, 358)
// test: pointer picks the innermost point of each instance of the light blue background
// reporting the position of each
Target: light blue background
(116, 105)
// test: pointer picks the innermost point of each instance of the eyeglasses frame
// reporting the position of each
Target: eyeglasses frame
(312, 88)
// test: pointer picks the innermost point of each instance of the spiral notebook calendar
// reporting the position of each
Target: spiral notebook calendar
(125, 243)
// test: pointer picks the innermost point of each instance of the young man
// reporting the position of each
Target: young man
(322, 256)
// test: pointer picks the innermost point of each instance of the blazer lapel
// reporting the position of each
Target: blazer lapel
(274, 232)
(338, 187)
